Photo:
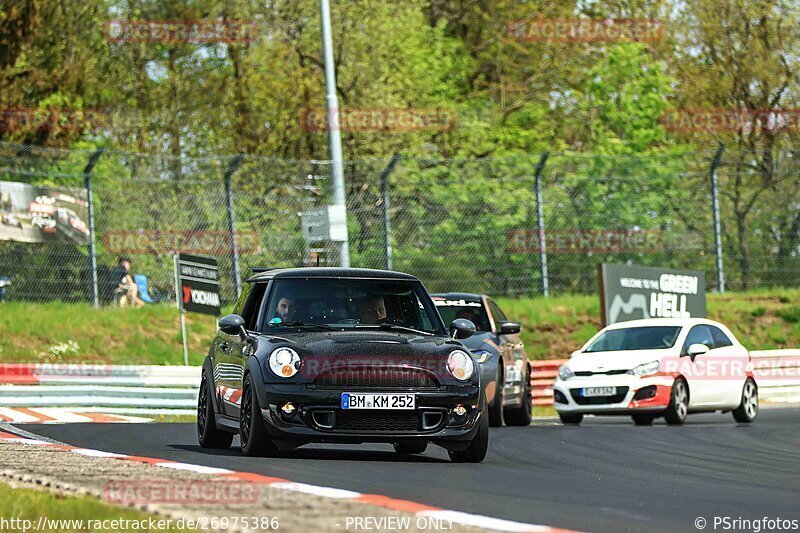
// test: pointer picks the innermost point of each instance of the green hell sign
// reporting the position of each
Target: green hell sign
(632, 292)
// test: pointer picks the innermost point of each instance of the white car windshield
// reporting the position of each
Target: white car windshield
(639, 338)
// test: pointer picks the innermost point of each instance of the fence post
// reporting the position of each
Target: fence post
(87, 183)
(540, 217)
(715, 208)
(387, 223)
(232, 166)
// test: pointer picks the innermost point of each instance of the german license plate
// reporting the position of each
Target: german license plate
(592, 392)
(378, 401)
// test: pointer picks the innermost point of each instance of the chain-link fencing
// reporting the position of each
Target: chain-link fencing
(511, 226)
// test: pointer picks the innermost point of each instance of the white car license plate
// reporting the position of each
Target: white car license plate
(378, 401)
(592, 392)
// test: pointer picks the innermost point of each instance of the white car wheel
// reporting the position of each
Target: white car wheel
(679, 403)
(748, 409)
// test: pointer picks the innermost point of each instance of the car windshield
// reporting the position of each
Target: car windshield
(350, 303)
(452, 308)
(641, 338)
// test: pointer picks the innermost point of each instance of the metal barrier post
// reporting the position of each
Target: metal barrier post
(540, 212)
(237, 279)
(87, 183)
(387, 223)
(717, 228)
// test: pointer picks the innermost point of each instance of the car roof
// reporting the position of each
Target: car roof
(466, 296)
(335, 273)
(682, 322)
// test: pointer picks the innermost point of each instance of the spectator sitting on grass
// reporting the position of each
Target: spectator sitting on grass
(127, 292)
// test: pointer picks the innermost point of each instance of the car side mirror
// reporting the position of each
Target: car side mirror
(232, 325)
(696, 349)
(510, 327)
(461, 329)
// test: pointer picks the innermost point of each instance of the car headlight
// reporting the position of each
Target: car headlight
(481, 355)
(645, 369)
(565, 372)
(284, 362)
(460, 365)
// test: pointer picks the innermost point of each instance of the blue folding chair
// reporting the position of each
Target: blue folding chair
(4, 283)
(141, 282)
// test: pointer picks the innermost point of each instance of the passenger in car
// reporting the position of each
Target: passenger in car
(372, 310)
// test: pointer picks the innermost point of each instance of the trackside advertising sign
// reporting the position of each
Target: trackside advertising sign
(631, 292)
(199, 284)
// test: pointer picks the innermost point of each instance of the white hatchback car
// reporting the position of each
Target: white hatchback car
(658, 367)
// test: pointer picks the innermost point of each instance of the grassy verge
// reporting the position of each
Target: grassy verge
(30, 504)
(543, 410)
(552, 328)
(74, 332)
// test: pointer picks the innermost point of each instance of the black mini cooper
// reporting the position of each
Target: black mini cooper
(341, 356)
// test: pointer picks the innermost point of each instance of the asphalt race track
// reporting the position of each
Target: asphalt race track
(606, 475)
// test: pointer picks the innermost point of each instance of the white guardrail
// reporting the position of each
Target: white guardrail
(777, 373)
(114, 388)
(120, 389)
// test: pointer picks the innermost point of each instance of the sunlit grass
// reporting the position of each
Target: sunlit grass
(30, 504)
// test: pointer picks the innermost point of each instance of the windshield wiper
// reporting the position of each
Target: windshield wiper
(395, 327)
(298, 324)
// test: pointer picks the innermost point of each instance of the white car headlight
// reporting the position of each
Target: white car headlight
(481, 355)
(284, 362)
(565, 372)
(460, 365)
(645, 369)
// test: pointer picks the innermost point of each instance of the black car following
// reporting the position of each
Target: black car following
(341, 356)
(500, 352)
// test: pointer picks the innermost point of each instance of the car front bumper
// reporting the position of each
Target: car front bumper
(318, 416)
(654, 395)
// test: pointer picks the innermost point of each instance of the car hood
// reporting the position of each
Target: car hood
(323, 351)
(619, 360)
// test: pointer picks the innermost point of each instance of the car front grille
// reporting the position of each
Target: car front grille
(585, 373)
(375, 422)
(376, 377)
(599, 400)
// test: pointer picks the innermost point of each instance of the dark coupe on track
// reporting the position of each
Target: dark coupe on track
(341, 356)
(498, 348)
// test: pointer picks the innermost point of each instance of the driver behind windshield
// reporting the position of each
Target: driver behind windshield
(372, 310)
(286, 309)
